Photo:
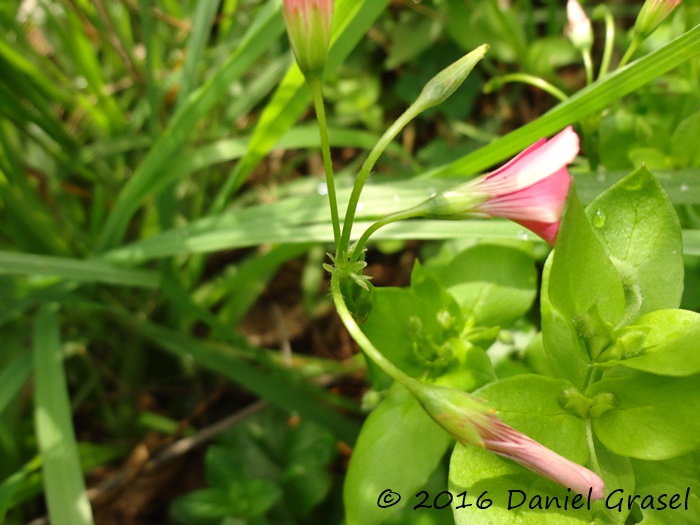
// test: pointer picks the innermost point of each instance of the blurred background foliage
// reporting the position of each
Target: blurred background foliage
(163, 224)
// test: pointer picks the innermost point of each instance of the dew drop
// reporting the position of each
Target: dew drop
(432, 192)
(523, 236)
(322, 188)
(684, 187)
(599, 219)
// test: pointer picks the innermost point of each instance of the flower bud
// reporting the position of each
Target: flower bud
(578, 28)
(309, 28)
(446, 82)
(652, 14)
(472, 423)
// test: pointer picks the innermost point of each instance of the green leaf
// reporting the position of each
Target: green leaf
(540, 413)
(398, 429)
(640, 231)
(653, 417)
(492, 483)
(494, 284)
(667, 344)
(584, 286)
(617, 473)
(64, 485)
(406, 330)
(566, 355)
(683, 147)
(673, 476)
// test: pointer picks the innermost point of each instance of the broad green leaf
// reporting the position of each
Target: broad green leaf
(670, 477)
(64, 485)
(492, 484)
(398, 429)
(494, 284)
(566, 354)
(667, 344)
(532, 404)
(640, 230)
(652, 417)
(406, 330)
(584, 285)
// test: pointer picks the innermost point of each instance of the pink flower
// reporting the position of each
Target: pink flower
(509, 443)
(309, 28)
(472, 423)
(531, 189)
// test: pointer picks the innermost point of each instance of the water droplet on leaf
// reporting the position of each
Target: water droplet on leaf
(684, 187)
(599, 219)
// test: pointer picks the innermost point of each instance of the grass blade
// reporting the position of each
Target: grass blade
(76, 269)
(12, 378)
(64, 485)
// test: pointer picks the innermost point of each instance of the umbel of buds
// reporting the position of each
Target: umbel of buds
(309, 28)
(531, 189)
(472, 423)
(652, 14)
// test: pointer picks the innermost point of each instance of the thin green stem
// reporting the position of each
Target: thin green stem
(524, 78)
(362, 340)
(365, 171)
(630, 51)
(316, 87)
(398, 216)
(604, 11)
(588, 65)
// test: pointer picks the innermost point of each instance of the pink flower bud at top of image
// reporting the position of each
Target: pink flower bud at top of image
(530, 190)
(578, 28)
(652, 14)
(309, 28)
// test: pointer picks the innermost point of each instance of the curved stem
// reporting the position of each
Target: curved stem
(398, 216)
(524, 78)
(361, 339)
(609, 39)
(365, 171)
(316, 87)
(630, 51)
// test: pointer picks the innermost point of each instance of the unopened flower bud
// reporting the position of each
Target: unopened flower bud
(446, 82)
(578, 28)
(652, 14)
(472, 423)
(309, 28)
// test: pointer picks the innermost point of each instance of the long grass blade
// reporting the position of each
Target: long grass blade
(64, 485)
